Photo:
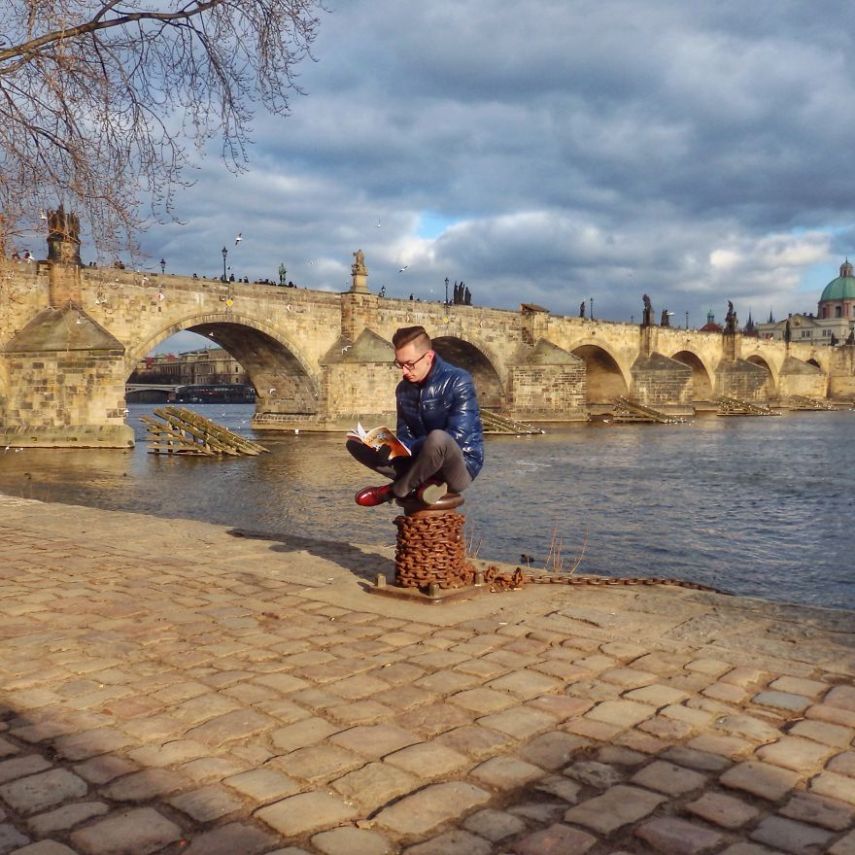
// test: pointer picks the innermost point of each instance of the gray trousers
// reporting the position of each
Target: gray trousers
(440, 455)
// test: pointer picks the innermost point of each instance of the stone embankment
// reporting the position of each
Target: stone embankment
(170, 687)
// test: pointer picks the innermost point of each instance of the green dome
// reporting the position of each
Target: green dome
(842, 288)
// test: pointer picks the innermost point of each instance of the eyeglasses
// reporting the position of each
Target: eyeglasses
(409, 366)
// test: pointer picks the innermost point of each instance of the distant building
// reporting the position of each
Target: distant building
(838, 297)
(833, 322)
(710, 325)
(195, 367)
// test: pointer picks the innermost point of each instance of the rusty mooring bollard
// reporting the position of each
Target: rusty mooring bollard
(431, 551)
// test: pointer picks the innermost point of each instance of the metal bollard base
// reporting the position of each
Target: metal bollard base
(433, 595)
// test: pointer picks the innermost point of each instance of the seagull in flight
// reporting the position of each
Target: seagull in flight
(378, 222)
(239, 238)
(403, 268)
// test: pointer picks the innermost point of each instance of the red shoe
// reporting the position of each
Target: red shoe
(372, 496)
(431, 491)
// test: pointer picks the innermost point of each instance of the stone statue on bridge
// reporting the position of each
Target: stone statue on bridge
(359, 273)
(665, 320)
(647, 316)
(359, 265)
(730, 320)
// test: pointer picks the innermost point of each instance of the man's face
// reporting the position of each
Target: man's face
(414, 364)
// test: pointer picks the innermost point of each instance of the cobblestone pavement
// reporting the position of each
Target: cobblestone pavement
(166, 686)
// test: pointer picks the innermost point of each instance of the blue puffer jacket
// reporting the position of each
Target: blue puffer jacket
(445, 400)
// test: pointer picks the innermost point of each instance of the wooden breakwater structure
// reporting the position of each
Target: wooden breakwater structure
(177, 430)
(627, 410)
(494, 423)
(737, 407)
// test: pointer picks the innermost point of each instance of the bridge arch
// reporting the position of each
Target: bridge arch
(465, 354)
(605, 380)
(280, 375)
(771, 383)
(702, 384)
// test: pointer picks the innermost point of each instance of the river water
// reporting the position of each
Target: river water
(755, 506)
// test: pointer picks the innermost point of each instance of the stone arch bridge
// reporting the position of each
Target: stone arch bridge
(71, 336)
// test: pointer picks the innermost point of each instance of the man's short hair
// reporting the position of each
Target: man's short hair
(409, 335)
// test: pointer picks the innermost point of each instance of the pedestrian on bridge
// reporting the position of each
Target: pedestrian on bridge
(438, 421)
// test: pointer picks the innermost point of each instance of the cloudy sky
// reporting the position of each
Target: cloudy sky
(552, 151)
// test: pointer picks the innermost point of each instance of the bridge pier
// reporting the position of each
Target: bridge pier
(69, 388)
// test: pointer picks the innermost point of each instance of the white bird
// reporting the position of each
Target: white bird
(239, 238)
(42, 216)
(346, 348)
(401, 270)
(378, 222)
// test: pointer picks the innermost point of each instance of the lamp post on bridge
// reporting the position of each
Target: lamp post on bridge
(446, 292)
(163, 265)
(591, 313)
(225, 256)
(687, 318)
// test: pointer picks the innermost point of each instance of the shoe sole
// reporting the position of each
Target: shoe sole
(431, 494)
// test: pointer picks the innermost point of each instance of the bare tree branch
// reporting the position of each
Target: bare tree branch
(100, 100)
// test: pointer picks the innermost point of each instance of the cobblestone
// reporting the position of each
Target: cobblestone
(454, 842)
(65, 817)
(723, 810)
(834, 786)
(435, 805)
(820, 731)
(351, 841)
(140, 830)
(617, 807)
(374, 785)
(518, 722)
(494, 825)
(672, 835)
(621, 713)
(41, 791)
(790, 836)
(206, 804)
(306, 812)
(428, 760)
(668, 778)
(555, 840)
(817, 810)
(236, 837)
(760, 779)
(795, 753)
(505, 773)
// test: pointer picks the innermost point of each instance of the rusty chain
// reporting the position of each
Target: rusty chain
(431, 550)
(504, 581)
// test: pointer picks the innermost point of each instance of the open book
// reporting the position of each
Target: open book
(378, 438)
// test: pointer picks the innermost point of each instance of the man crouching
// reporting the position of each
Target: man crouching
(438, 420)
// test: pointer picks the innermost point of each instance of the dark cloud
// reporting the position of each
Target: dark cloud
(697, 152)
